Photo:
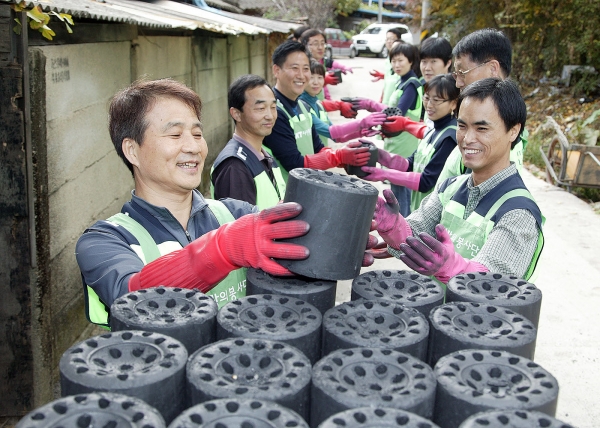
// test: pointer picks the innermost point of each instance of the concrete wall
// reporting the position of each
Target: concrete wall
(78, 178)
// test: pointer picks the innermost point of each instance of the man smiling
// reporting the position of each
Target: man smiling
(243, 170)
(168, 234)
(478, 222)
(294, 141)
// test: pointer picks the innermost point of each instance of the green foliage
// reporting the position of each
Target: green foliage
(346, 7)
(546, 34)
(39, 20)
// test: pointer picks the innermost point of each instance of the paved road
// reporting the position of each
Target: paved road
(568, 341)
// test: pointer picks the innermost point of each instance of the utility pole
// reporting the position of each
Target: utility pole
(425, 6)
(379, 11)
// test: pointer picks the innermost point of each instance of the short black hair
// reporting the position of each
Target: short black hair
(311, 32)
(409, 51)
(398, 32)
(236, 96)
(285, 49)
(444, 86)
(485, 45)
(298, 31)
(317, 68)
(436, 47)
(506, 97)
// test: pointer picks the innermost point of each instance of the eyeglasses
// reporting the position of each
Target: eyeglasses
(433, 101)
(317, 45)
(462, 74)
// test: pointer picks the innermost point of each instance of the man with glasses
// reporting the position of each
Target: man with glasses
(479, 55)
(294, 141)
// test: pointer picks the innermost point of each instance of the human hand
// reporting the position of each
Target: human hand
(353, 154)
(377, 75)
(347, 110)
(331, 79)
(392, 227)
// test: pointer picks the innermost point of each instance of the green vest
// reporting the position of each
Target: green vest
(322, 114)
(267, 195)
(405, 144)
(232, 287)
(423, 155)
(468, 235)
(454, 166)
(302, 126)
(390, 81)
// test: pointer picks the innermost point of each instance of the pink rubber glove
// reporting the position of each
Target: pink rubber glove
(367, 104)
(344, 68)
(379, 251)
(392, 227)
(331, 79)
(368, 257)
(392, 161)
(437, 256)
(409, 180)
(369, 132)
(377, 75)
(396, 124)
(350, 130)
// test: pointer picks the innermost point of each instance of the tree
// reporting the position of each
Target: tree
(546, 34)
(317, 12)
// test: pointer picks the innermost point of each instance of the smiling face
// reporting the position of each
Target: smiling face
(256, 119)
(293, 76)
(400, 64)
(316, 45)
(483, 139)
(431, 67)
(437, 105)
(170, 159)
(315, 85)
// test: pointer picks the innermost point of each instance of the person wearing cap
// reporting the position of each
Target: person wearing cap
(483, 221)
(243, 170)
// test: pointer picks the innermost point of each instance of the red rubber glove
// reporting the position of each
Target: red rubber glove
(351, 154)
(437, 256)
(392, 161)
(245, 242)
(409, 180)
(331, 105)
(347, 110)
(392, 227)
(367, 104)
(377, 75)
(331, 79)
(396, 124)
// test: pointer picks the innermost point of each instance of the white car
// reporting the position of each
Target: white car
(372, 39)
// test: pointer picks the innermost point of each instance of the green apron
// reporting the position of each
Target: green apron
(405, 144)
(232, 287)
(302, 126)
(423, 155)
(390, 81)
(468, 235)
